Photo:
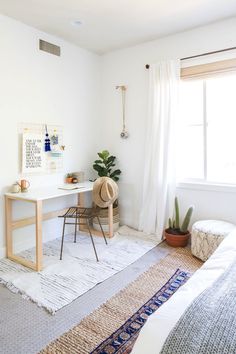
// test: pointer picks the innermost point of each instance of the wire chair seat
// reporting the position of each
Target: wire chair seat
(80, 212)
(74, 215)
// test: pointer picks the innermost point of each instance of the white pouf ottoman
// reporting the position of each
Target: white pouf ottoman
(207, 235)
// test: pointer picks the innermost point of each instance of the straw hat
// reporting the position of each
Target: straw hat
(105, 191)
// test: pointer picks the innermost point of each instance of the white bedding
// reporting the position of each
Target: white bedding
(159, 325)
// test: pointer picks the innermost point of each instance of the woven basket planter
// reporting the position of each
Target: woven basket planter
(103, 216)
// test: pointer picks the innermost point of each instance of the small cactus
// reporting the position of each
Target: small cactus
(174, 223)
(176, 213)
(185, 224)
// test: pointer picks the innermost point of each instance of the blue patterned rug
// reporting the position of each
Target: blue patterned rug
(123, 339)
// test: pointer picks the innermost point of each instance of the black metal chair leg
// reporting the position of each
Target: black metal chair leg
(62, 239)
(103, 233)
(91, 237)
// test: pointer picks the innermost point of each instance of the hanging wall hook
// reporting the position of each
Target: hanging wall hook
(124, 134)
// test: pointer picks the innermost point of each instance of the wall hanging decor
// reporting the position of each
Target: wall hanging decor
(124, 134)
(47, 146)
(56, 148)
(41, 148)
(32, 153)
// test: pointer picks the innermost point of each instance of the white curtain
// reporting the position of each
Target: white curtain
(159, 166)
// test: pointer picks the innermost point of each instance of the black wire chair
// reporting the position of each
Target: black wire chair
(73, 216)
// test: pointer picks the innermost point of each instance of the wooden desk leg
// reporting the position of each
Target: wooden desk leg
(39, 246)
(8, 215)
(110, 217)
(80, 203)
(80, 199)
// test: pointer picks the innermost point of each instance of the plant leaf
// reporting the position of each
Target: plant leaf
(101, 156)
(100, 170)
(111, 159)
(116, 172)
(98, 161)
(104, 154)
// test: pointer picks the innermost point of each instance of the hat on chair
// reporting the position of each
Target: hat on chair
(105, 192)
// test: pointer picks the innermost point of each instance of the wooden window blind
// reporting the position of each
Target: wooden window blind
(209, 69)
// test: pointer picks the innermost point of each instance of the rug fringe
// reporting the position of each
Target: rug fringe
(23, 294)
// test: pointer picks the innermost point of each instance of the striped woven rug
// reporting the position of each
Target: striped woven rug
(110, 323)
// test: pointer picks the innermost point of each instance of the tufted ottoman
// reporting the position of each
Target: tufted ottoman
(207, 235)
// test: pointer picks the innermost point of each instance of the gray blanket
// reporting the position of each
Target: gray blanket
(209, 324)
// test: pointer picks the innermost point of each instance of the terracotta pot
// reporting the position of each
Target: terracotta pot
(69, 179)
(177, 240)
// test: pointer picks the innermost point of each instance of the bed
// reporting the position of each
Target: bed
(158, 327)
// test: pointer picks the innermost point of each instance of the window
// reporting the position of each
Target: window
(206, 136)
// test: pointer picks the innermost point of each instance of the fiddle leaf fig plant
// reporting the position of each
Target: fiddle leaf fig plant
(105, 166)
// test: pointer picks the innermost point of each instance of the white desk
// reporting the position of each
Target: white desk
(37, 196)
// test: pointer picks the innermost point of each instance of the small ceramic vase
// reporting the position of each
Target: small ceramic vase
(15, 188)
(24, 185)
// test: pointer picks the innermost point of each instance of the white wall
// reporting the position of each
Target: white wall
(127, 67)
(37, 87)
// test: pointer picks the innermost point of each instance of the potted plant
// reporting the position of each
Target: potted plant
(69, 178)
(176, 235)
(104, 166)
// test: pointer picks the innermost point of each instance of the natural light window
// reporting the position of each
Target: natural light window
(207, 130)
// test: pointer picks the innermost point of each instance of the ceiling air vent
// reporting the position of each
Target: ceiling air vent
(49, 48)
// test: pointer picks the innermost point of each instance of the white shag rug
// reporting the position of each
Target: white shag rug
(61, 282)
